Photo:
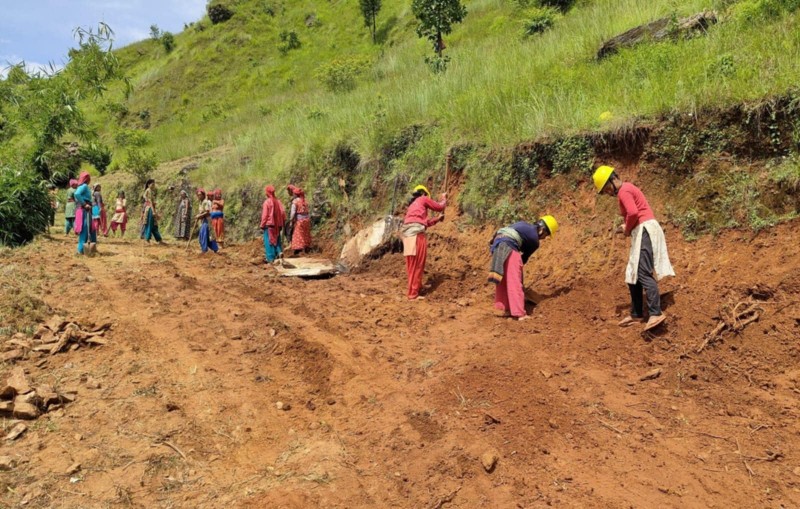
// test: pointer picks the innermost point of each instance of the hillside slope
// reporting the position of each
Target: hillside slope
(229, 84)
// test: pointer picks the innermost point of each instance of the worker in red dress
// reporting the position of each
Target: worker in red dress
(415, 245)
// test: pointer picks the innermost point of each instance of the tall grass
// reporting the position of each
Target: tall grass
(500, 89)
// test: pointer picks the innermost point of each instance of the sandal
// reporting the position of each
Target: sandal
(654, 322)
(628, 321)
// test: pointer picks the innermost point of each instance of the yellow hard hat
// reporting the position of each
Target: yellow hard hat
(601, 176)
(551, 223)
(423, 189)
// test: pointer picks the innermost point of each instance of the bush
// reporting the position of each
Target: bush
(141, 165)
(289, 41)
(753, 11)
(539, 20)
(131, 138)
(24, 208)
(168, 41)
(218, 13)
(573, 153)
(98, 155)
(341, 75)
(562, 5)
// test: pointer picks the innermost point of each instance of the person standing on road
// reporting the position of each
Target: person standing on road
(648, 260)
(84, 226)
(70, 207)
(99, 210)
(511, 247)
(288, 231)
(205, 233)
(183, 217)
(149, 213)
(120, 217)
(300, 221)
(415, 244)
(218, 217)
(273, 218)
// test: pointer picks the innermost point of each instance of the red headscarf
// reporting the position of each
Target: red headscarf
(84, 178)
(73, 182)
(217, 194)
(201, 190)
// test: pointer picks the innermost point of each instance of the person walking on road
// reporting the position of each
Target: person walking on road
(150, 215)
(183, 217)
(415, 244)
(273, 218)
(511, 247)
(120, 217)
(300, 220)
(648, 260)
(218, 216)
(84, 226)
(205, 233)
(70, 207)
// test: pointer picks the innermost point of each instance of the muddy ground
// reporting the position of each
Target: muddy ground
(389, 403)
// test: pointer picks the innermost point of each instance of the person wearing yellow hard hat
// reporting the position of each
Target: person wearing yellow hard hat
(648, 260)
(415, 244)
(511, 247)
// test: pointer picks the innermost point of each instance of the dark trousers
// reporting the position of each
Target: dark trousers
(645, 281)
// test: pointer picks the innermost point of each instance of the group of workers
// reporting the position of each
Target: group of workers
(512, 246)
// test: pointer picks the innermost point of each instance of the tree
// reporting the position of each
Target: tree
(436, 18)
(370, 9)
(155, 32)
(168, 41)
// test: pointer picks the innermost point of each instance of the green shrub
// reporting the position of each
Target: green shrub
(754, 11)
(131, 138)
(562, 5)
(786, 174)
(573, 153)
(219, 13)
(341, 75)
(539, 20)
(141, 165)
(289, 41)
(24, 206)
(168, 41)
(98, 155)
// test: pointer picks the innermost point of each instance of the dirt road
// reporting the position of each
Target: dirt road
(387, 403)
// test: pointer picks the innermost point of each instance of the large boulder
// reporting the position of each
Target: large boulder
(657, 30)
(369, 243)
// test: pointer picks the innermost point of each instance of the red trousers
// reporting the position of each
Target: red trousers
(509, 295)
(415, 267)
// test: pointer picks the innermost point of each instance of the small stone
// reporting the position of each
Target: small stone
(78, 437)
(237, 337)
(6, 408)
(563, 388)
(12, 355)
(330, 401)
(272, 333)
(68, 397)
(7, 463)
(24, 410)
(651, 375)
(310, 405)
(17, 383)
(73, 469)
(91, 383)
(489, 461)
(279, 405)
(553, 424)
(17, 431)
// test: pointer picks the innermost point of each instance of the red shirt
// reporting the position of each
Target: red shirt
(418, 211)
(272, 217)
(633, 206)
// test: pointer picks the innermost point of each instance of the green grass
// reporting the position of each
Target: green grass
(229, 84)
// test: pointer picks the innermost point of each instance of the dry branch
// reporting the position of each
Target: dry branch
(733, 320)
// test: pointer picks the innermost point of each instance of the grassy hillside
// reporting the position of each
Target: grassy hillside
(229, 84)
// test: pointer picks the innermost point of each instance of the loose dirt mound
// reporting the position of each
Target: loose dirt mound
(386, 403)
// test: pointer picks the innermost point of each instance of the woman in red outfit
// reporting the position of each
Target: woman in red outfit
(300, 221)
(415, 245)
(648, 260)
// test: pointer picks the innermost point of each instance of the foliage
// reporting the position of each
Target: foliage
(98, 155)
(572, 153)
(538, 20)
(341, 75)
(749, 12)
(289, 41)
(24, 206)
(168, 41)
(218, 13)
(786, 174)
(140, 164)
(370, 9)
(155, 32)
(436, 18)
(563, 5)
